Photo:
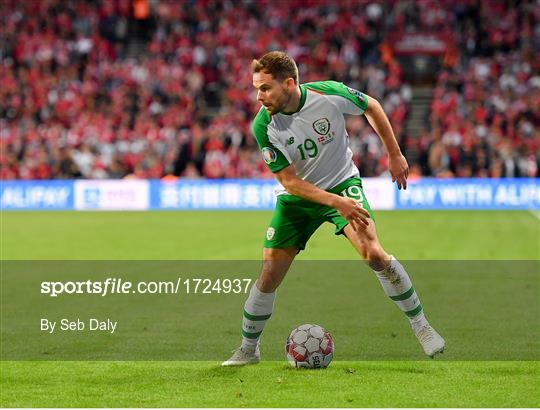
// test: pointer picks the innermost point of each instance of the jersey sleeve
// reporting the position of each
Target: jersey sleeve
(347, 99)
(274, 153)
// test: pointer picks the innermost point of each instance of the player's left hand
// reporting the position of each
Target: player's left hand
(399, 169)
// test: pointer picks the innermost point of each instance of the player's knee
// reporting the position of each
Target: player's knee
(275, 265)
(268, 282)
(270, 254)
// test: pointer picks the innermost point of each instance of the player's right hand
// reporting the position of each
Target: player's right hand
(353, 212)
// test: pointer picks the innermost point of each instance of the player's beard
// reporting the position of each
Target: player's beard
(282, 103)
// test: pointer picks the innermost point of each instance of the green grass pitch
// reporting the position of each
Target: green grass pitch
(456, 235)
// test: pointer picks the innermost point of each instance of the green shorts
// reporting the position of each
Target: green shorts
(296, 219)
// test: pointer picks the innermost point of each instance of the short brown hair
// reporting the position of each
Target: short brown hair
(278, 64)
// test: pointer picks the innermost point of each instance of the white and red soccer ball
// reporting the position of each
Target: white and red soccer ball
(310, 346)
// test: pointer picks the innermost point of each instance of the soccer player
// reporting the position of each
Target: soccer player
(300, 130)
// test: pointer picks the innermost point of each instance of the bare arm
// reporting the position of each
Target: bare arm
(399, 169)
(347, 207)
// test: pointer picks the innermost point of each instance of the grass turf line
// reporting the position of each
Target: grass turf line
(270, 384)
(186, 235)
(410, 235)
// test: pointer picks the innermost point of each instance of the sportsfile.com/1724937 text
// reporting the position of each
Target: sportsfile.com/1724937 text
(118, 286)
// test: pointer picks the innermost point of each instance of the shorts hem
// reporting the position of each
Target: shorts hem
(341, 231)
(281, 246)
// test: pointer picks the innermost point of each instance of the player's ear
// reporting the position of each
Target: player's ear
(289, 82)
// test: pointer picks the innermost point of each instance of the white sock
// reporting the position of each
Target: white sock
(257, 310)
(398, 286)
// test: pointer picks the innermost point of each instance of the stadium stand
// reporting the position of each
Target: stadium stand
(145, 89)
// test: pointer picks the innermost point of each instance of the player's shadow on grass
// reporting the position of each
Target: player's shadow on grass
(218, 370)
(408, 368)
(349, 368)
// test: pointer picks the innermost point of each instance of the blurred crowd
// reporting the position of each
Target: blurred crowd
(485, 112)
(485, 120)
(109, 89)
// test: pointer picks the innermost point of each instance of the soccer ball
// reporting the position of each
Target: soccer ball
(310, 346)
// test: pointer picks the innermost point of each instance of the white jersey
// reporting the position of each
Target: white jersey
(314, 138)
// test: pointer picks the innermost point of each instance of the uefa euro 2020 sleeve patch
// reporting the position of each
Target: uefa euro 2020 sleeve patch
(269, 155)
